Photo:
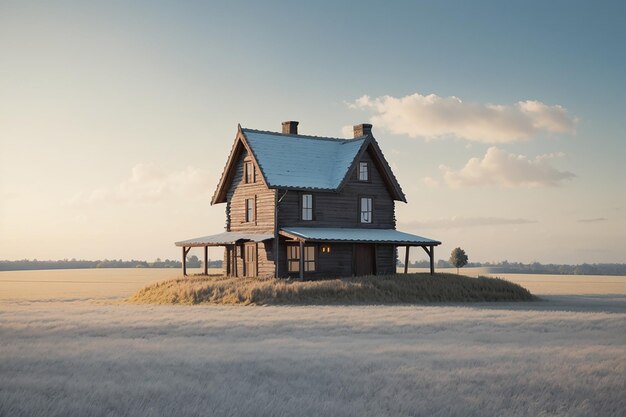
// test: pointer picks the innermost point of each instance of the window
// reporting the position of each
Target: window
(364, 174)
(293, 258)
(249, 209)
(325, 248)
(249, 174)
(307, 206)
(366, 209)
(309, 259)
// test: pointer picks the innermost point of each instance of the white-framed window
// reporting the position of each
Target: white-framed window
(307, 206)
(366, 209)
(249, 209)
(293, 258)
(249, 173)
(364, 174)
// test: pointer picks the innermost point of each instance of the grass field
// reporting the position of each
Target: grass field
(392, 289)
(94, 355)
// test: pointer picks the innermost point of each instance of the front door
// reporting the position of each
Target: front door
(250, 260)
(364, 259)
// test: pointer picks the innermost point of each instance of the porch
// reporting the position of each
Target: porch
(234, 242)
(371, 251)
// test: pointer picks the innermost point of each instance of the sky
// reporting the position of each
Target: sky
(503, 121)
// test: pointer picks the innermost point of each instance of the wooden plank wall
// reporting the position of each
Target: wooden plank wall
(386, 259)
(342, 209)
(238, 192)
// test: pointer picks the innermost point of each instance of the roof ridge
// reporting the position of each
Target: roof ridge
(343, 140)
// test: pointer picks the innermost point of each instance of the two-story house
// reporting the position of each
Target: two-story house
(308, 206)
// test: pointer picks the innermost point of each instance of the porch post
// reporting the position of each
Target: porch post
(228, 264)
(184, 262)
(301, 259)
(206, 260)
(406, 260)
(432, 260)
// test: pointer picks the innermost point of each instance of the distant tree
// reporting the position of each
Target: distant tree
(193, 261)
(458, 258)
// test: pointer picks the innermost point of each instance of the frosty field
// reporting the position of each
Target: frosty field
(83, 353)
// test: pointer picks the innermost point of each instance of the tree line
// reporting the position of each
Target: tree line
(34, 264)
(533, 268)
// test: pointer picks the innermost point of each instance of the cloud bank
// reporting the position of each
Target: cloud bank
(501, 168)
(432, 117)
(149, 183)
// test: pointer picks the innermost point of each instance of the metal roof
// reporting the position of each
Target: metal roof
(300, 161)
(225, 238)
(339, 234)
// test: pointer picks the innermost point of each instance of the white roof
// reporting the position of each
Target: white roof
(300, 161)
(226, 238)
(339, 234)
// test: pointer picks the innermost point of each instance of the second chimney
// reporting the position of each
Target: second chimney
(290, 128)
(364, 129)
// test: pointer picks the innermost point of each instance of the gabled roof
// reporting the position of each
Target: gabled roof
(304, 162)
(297, 161)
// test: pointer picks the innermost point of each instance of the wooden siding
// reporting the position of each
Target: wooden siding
(339, 262)
(385, 259)
(238, 192)
(342, 209)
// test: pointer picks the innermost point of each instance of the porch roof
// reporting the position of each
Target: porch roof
(225, 238)
(339, 234)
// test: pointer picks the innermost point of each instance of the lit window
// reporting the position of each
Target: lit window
(309, 258)
(250, 209)
(366, 210)
(293, 258)
(325, 248)
(364, 174)
(249, 173)
(307, 207)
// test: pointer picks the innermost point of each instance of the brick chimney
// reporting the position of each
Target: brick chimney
(290, 127)
(364, 129)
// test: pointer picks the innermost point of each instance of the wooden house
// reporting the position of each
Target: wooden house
(308, 206)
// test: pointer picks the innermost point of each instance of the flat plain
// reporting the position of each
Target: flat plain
(69, 346)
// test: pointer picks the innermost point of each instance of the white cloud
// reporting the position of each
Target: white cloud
(457, 222)
(149, 183)
(505, 169)
(347, 131)
(431, 117)
(430, 182)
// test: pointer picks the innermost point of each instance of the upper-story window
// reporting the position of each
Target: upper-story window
(366, 209)
(249, 209)
(364, 173)
(307, 206)
(249, 174)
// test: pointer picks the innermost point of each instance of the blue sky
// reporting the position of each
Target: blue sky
(116, 119)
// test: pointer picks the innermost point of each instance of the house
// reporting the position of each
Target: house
(308, 206)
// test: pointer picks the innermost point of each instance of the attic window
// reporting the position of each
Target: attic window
(364, 174)
(249, 174)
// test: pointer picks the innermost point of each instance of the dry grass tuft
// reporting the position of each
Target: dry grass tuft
(392, 289)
